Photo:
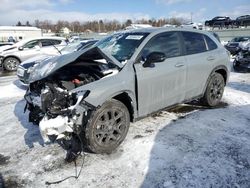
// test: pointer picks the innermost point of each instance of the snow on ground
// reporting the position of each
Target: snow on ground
(189, 146)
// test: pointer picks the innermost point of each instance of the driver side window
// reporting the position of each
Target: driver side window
(31, 44)
(167, 43)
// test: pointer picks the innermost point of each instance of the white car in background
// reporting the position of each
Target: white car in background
(192, 25)
(12, 56)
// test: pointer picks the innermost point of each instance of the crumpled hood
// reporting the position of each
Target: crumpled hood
(50, 65)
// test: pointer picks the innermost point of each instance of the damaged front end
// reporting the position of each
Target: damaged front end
(60, 111)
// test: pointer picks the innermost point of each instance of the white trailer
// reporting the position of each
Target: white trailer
(18, 32)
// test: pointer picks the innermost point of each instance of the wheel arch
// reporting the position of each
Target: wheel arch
(221, 70)
(126, 99)
(13, 56)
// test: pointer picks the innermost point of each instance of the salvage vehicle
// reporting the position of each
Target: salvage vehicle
(232, 46)
(24, 69)
(12, 56)
(242, 57)
(90, 97)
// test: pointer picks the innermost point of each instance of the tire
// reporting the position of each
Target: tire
(11, 64)
(214, 90)
(236, 65)
(107, 127)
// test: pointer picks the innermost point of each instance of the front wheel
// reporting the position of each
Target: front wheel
(11, 63)
(236, 65)
(107, 127)
(214, 90)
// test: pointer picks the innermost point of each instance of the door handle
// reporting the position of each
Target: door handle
(179, 65)
(211, 58)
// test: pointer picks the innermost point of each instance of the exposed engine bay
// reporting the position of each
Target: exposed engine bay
(59, 111)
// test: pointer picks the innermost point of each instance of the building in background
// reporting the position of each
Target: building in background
(65, 30)
(18, 33)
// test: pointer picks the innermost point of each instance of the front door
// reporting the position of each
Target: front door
(30, 49)
(163, 84)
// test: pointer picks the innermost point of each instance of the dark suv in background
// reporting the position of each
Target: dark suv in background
(243, 20)
(219, 21)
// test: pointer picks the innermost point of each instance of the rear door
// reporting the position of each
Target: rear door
(163, 84)
(49, 47)
(200, 62)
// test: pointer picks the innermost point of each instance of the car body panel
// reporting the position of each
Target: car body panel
(160, 85)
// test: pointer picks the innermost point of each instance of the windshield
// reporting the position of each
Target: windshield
(122, 45)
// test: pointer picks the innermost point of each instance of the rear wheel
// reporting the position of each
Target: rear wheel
(11, 64)
(107, 127)
(214, 90)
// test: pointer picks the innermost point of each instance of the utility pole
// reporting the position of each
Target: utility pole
(191, 17)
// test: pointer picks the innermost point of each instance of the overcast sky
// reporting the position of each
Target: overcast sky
(12, 11)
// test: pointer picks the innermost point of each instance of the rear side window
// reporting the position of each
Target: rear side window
(210, 43)
(56, 42)
(194, 43)
(46, 42)
(50, 42)
(167, 43)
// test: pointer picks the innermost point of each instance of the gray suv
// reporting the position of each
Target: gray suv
(12, 56)
(88, 98)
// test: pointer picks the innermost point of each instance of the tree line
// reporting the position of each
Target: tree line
(99, 26)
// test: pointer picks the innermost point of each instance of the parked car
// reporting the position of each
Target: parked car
(219, 21)
(12, 56)
(243, 20)
(25, 68)
(193, 25)
(232, 46)
(242, 57)
(90, 97)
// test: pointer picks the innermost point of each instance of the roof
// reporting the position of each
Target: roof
(163, 29)
(19, 28)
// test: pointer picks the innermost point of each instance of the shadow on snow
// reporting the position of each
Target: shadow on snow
(32, 134)
(207, 148)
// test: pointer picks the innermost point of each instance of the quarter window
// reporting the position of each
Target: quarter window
(166, 43)
(210, 43)
(194, 43)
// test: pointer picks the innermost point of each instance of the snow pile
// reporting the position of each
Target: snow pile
(14, 89)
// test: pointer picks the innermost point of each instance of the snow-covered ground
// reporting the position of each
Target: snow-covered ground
(189, 146)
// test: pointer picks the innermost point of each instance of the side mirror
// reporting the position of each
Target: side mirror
(154, 57)
(20, 48)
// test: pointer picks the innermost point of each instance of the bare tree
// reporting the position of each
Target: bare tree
(19, 23)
